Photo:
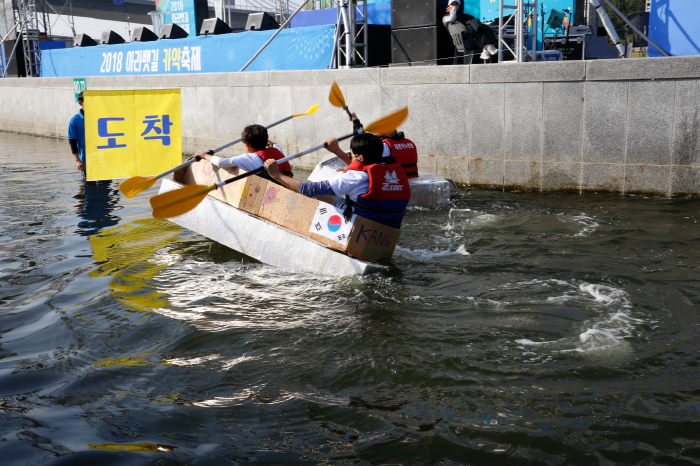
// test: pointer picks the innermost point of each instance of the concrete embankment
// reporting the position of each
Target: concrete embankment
(626, 126)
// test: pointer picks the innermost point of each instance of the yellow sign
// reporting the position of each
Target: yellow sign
(132, 133)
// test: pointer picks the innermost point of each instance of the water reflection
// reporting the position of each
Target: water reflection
(96, 201)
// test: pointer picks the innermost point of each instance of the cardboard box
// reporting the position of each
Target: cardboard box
(314, 219)
(324, 223)
(245, 194)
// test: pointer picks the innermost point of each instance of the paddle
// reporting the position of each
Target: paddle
(183, 200)
(336, 98)
(137, 184)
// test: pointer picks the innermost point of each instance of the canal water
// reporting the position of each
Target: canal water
(511, 329)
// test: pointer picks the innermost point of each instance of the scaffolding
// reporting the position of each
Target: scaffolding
(350, 46)
(517, 31)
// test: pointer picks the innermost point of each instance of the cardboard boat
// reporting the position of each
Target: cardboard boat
(279, 227)
(428, 190)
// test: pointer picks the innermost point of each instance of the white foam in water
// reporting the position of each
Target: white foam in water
(604, 336)
(428, 254)
(589, 223)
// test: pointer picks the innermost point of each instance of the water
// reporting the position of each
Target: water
(512, 329)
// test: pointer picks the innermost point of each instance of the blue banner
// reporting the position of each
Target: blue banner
(673, 26)
(378, 13)
(180, 12)
(293, 49)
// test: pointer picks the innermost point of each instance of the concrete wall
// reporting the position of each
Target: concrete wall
(626, 126)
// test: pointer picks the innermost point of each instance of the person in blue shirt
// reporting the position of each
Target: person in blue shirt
(76, 135)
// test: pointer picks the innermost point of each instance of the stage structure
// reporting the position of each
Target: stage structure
(518, 32)
(351, 47)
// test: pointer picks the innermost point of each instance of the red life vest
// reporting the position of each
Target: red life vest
(274, 154)
(406, 154)
(388, 194)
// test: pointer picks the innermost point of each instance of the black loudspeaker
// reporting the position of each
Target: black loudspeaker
(83, 40)
(417, 13)
(12, 66)
(111, 37)
(172, 31)
(143, 34)
(579, 8)
(214, 26)
(261, 22)
(421, 46)
(379, 52)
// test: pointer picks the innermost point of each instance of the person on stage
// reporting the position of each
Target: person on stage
(373, 186)
(259, 148)
(76, 136)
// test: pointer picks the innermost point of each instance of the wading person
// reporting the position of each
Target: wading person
(259, 149)
(76, 135)
(373, 186)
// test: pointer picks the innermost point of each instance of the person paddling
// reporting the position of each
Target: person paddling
(396, 145)
(260, 149)
(373, 186)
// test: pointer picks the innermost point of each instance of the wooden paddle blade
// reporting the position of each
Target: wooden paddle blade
(388, 124)
(310, 111)
(336, 97)
(136, 185)
(179, 201)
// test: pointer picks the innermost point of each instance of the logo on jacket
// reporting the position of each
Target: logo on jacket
(391, 182)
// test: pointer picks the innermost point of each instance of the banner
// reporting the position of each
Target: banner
(132, 133)
(293, 49)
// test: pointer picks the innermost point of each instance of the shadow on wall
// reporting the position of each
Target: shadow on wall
(673, 25)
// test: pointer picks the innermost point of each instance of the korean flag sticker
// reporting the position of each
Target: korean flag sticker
(329, 222)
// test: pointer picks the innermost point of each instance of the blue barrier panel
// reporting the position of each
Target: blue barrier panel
(378, 13)
(293, 49)
(673, 26)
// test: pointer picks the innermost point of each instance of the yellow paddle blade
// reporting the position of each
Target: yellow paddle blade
(336, 97)
(310, 111)
(136, 185)
(179, 201)
(388, 124)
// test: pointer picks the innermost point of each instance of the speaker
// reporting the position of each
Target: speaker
(579, 9)
(143, 34)
(214, 26)
(12, 67)
(417, 13)
(111, 37)
(83, 40)
(260, 22)
(379, 38)
(172, 31)
(429, 45)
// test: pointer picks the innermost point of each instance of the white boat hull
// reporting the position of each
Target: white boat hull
(265, 241)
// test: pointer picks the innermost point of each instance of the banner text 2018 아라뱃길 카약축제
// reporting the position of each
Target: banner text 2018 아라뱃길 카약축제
(293, 49)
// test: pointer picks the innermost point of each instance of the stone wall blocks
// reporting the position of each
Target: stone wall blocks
(561, 176)
(249, 78)
(486, 173)
(453, 121)
(646, 68)
(650, 122)
(605, 122)
(454, 168)
(523, 121)
(211, 79)
(562, 109)
(648, 179)
(427, 164)
(458, 74)
(352, 77)
(521, 175)
(685, 180)
(602, 177)
(487, 121)
(686, 123)
(291, 78)
(528, 72)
